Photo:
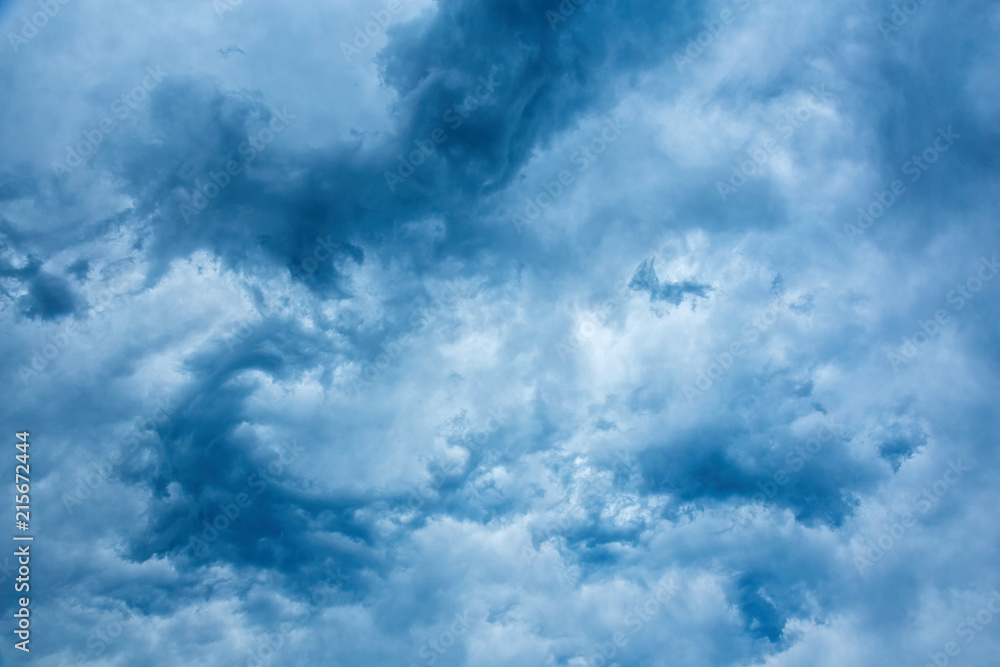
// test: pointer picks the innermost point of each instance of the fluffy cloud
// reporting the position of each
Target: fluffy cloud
(531, 333)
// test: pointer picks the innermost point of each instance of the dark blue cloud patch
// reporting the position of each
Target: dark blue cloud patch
(79, 269)
(816, 477)
(896, 451)
(646, 280)
(49, 297)
(697, 466)
(761, 616)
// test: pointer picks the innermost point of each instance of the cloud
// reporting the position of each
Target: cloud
(290, 410)
(645, 280)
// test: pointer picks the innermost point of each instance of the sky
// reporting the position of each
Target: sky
(568, 333)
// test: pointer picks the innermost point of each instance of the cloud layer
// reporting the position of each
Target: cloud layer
(504, 333)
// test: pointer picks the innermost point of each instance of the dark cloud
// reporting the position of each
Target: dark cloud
(645, 280)
(48, 297)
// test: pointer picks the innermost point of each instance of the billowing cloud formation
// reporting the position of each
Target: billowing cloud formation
(504, 333)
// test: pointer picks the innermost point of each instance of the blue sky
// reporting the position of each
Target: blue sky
(504, 333)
